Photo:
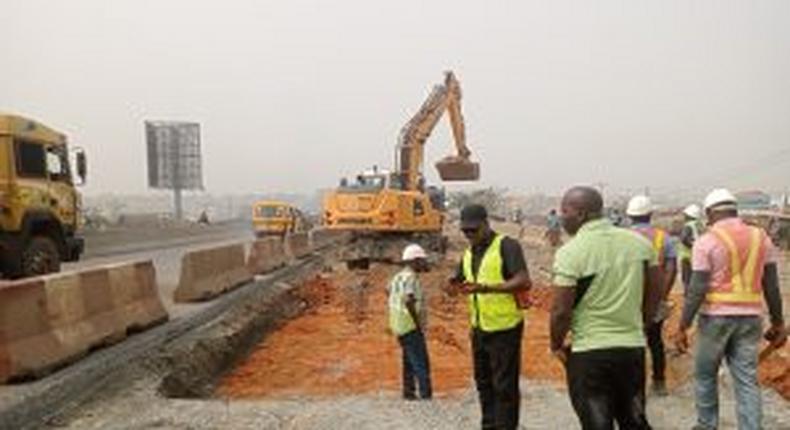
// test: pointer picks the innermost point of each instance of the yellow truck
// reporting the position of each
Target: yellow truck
(276, 218)
(39, 203)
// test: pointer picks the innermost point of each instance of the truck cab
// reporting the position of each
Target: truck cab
(276, 218)
(39, 202)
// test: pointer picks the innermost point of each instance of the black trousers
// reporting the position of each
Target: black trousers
(608, 385)
(497, 366)
(657, 355)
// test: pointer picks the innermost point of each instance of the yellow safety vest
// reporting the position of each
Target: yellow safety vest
(684, 252)
(745, 287)
(490, 311)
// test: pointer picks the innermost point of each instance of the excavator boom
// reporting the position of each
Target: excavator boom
(411, 145)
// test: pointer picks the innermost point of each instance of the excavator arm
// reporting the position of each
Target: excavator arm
(411, 142)
(456, 118)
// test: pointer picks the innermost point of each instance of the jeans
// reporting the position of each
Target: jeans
(416, 366)
(497, 367)
(735, 339)
(608, 385)
(657, 354)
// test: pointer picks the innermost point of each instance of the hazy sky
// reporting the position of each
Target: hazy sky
(293, 94)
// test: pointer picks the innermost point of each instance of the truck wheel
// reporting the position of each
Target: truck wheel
(40, 257)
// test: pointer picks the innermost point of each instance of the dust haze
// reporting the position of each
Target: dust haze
(293, 95)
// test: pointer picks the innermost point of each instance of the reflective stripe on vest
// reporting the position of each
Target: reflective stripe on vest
(658, 246)
(744, 288)
(490, 311)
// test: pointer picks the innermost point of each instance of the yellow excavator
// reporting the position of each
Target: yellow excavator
(386, 209)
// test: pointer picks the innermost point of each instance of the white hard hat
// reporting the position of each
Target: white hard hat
(692, 211)
(413, 252)
(720, 198)
(639, 206)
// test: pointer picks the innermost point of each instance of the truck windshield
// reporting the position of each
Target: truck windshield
(271, 211)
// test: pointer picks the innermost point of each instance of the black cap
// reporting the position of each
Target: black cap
(472, 216)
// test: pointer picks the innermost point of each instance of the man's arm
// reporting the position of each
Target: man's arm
(670, 274)
(670, 265)
(776, 334)
(772, 294)
(687, 236)
(698, 288)
(458, 276)
(411, 306)
(653, 291)
(561, 318)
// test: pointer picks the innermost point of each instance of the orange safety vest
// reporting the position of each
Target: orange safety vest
(747, 249)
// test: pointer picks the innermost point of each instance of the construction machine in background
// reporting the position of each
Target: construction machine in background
(39, 202)
(276, 218)
(386, 209)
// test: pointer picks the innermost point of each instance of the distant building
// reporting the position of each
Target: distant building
(754, 200)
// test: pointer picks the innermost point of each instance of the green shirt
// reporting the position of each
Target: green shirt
(609, 261)
(403, 284)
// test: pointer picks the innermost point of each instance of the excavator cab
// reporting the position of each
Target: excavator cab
(455, 168)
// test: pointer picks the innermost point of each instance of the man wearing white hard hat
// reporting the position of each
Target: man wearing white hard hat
(734, 269)
(407, 314)
(640, 212)
(692, 229)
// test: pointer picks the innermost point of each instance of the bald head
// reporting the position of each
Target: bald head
(584, 198)
(580, 205)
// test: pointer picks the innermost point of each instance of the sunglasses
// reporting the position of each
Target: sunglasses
(469, 231)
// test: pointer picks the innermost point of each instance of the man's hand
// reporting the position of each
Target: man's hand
(471, 288)
(682, 340)
(562, 354)
(776, 335)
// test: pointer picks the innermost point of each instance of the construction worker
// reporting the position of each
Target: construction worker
(606, 287)
(553, 227)
(492, 272)
(692, 229)
(407, 321)
(640, 213)
(734, 268)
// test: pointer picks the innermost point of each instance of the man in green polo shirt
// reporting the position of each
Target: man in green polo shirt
(607, 285)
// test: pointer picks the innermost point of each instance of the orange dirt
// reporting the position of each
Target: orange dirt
(775, 371)
(342, 345)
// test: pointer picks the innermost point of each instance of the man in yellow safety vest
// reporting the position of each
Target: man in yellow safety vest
(493, 273)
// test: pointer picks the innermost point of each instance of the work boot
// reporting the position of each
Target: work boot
(659, 388)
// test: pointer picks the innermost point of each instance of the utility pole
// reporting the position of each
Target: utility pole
(601, 188)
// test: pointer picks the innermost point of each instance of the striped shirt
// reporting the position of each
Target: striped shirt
(405, 283)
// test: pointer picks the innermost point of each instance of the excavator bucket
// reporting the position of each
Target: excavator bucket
(453, 168)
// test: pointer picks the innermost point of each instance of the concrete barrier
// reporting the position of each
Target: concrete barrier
(135, 293)
(266, 255)
(48, 321)
(298, 245)
(207, 273)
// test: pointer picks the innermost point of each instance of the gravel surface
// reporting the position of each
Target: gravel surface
(543, 407)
